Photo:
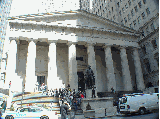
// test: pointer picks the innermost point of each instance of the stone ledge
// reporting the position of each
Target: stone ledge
(92, 99)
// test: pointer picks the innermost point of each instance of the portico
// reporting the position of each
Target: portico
(60, 54)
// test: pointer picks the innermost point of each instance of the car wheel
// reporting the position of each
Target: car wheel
(9, 117)
(142, 111)
(44, 117)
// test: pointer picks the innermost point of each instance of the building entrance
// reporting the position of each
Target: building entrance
(81, 82)
(40, 80)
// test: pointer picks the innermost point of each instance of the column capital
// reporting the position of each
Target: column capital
(71, 43)
(52, 41)
(106, 45)
(90, 44)
(15, 39)
(136, 48)
(34, 40)
(121, 47)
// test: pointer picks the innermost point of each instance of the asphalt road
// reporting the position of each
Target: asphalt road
(137, 116)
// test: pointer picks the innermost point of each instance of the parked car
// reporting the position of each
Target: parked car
(29, 113)
(140, 103)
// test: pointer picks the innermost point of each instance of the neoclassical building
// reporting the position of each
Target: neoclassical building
(56, 48)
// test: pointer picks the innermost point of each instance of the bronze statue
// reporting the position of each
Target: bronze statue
(88, 107)
(89, 77)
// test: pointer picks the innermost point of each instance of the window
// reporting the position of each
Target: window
(125, 19)
(131, 25)
(143, 35)
(132, 12)
(122, 21)
(144, 1)
(114, 17)
(123, 9)
(134, 22)
(129, 2)
(128, 17)
(140, 5)
(144, 50)
(148, 11)
(126, 6)
(120, 13)
(139, 20)
(147, 30)
(146, 61)
(136, 9)
(152, 27)
(154, 43)
(143, 15)
(118, 4)
(156, 57)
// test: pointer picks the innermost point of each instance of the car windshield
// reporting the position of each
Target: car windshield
(36, 110)
(123, 100)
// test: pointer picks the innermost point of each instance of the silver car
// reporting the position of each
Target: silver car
(29, 113)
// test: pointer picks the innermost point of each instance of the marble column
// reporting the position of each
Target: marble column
(92, 62)
(125, 70)
(138, 70)
(11, 64)
(72, 65)
(109, 68)
(30, 67)
(52, 80)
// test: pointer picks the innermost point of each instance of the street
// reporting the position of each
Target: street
(137, 116)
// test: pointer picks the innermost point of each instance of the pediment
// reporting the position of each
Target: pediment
(77, 19)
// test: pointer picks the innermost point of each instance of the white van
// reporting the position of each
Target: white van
(140, 103)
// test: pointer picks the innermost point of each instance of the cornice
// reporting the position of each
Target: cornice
(154, 17)
(149, 35)
(45, 24)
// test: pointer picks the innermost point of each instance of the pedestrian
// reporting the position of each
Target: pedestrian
(112, 89)
(3, 105)
(93, 92)
(10, 84)
(63, 110)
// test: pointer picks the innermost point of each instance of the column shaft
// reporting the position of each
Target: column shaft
(138, 70)
(73, 77)
(52, 68)
(110, 69)
(30, 67)
(125, 70)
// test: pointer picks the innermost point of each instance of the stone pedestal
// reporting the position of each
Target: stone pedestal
(89, 93)
(97, 103)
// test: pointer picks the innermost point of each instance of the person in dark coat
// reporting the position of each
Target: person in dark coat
(93, 92)
(63, 111)
(3, 105)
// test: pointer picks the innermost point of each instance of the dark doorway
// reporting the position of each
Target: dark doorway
(156, 90)
(40, 80)
(81, 83)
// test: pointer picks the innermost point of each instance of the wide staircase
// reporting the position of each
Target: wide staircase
(38, 99)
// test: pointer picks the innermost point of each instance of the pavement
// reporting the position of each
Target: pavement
(82, 116)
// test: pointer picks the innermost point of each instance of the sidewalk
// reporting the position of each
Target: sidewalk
(82, 117)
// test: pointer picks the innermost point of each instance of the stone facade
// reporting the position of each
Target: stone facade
(60, 52)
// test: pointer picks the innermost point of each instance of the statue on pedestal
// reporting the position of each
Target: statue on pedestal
(89, 78)
(88, 107)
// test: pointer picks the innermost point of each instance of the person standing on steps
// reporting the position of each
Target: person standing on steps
(10, 84)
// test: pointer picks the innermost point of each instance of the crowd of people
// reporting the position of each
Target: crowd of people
(72, 97)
